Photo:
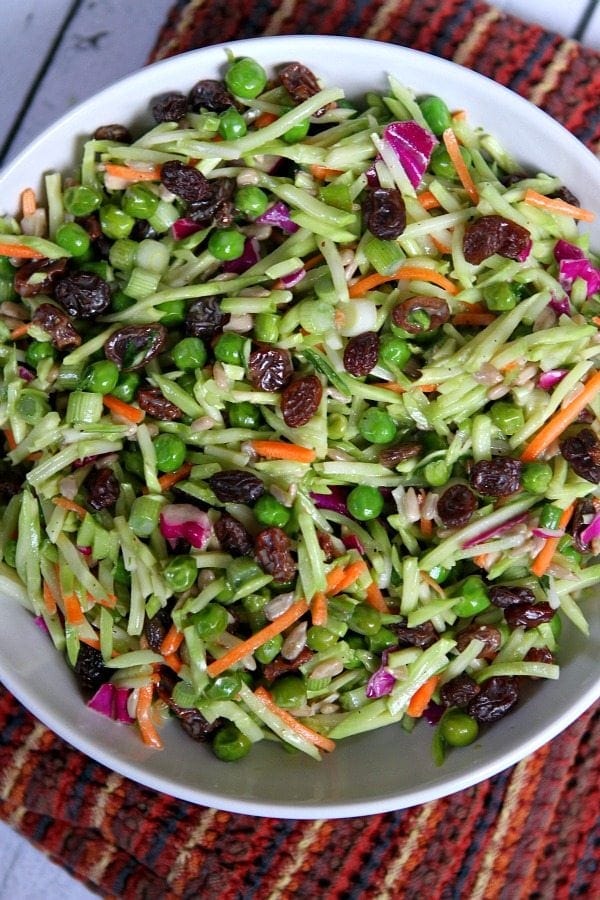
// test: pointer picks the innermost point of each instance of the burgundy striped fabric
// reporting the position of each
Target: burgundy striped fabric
(531, 832)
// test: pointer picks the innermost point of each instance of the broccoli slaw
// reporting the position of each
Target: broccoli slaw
(354, 463)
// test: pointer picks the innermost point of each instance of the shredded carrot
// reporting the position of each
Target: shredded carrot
(281, 450)
(400, 389)
(125, 410)
(70, 505)
(49, 599)
(351, 574)
(20, 331)
(428, 200)
(556, 205)
(167, 481)
(265, 118)
(475, 319)
(459, 164)
(433, 584)
(291, 615)
(173, 661)
(442, 248)
(73, 611)
(322, 173)
(544, 557)
(109, 601)
(561, 419)
(509, 366)
(459, 115)
(376, 599)
(91, 642)
(596, 320)
(333, 578)
(10, 438)
(313, 261)
(19, 251)
(318, 609)
(420, 699)
(129, 173)
(426, 527)
(172, 641)
(404, 273)
(303, 731)
(480, 560)
(28, 202)
(143, 711)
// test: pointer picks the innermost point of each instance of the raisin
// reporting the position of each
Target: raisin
(236, 486)
(497, 477)
(489, 634)
(384, 213)
(327, 545)
(495, 234)
(118, 133)
(57, 326)
(135, 345)
(497, 696)
(186, 182)
(12, 479)
(155, 629)
(528, 615)
(281, 666)
(103, 488)
(217, 207)
(392, 456)
(232, 536)
(361, 353)
(89, 669)
(193, 722)
(270, 368)
(456, 505)
(503, 596)
(422, 636)
(170, 107)
(419, 315)
(539, 654)
(204, 318)
(84, 295)
(211, 95)
(582, 452)
(101, 244)
(300, 400)
(50, 271)
(153, 401)
(299, 82)
(459, 691)
(272, 550)
(563, 193)
(583, 515)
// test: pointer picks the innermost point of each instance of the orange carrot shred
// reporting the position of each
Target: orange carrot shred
(73, 611)
(426, 527)
(28, 202)
(333, 578)
(70, 505)
(442, 248)
(480, 560)
(318, 609)
(167, 481)
(281, 450)
(91, 642)
(433, 584)
(351, 574)
(556, 205)
(265, 118)
(20, 331)
(322, 173)
(404, 273)
(400, 389)
(173, 661)
(49, 599)
(376, 599)
(319, 740)
(125, 410)
(459, 164)
(428, 200)
(544, 557)
(143, 712)
(129, 173)
(420, 699)
(10, 438)
(19, 251)
(475, 319)
(172, 641)
(561, 419)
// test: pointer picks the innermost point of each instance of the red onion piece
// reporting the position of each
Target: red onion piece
(351, 542)
(413, 145)
(111, 701)
(380, 683)
(566, 250)
(570, 269)
(592, 531)
(250, 255)
(182, 520)
(294, 278)
(25, 373)
(335, 501)
(278, 215)
(561, 306)
(550, 379)
(433, 712)
(183, 228)
(494, 532)
(547, 532)
(41, 624)
(121, 697)
(85, 551)
(525, 251)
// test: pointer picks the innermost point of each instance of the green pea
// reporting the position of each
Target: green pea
(437, 473)
(100, 377)
(241, 570)
(270, 511)
(377, 426)
(99, 267)
(365, 620)
(382, 640)
(320, 638)
(210, 621)
(266, 327)
(189, 353)
(229, 348)
(226, 243)
(133, 462)
(508, 417)
(232, 124)
(244, 415)
(536, 477)
(441, 164)
(37, 351)
(10, 553)
(297, 132)
(251, 201)
(170, 452)
(114, 222)
(474, 598)
(246, 78)
(173, 312)
(267, 652)
(121, 301)
(180, 573)
(393, 351)
(224, 687)
(81, 200)
(72, 237)
(126, 386)
(458, 729)
(32, 405)
(500, 296)
(550, 516)
(140, 202)
(436, 114)
(365, 502)
(289, 691)
(230, 744)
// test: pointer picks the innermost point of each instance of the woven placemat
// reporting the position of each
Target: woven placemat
(530, 832)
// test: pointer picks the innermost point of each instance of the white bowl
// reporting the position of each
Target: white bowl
(383, 770)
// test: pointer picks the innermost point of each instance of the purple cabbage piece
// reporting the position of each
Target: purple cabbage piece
(351, 542)
(183, 228)
(525, 251)
(278, 215)
(41, 624)
(550, 379)
(560, 305)
(111, 701)
(433, 712)
(182, 520)
(413, 145)
(380, 683)
(249, 257)
(488, 533)
(294, 278)
(335, 501)
(592, 531)
(572, 264)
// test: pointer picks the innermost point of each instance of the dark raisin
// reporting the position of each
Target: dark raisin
(217, 207)
(103, 488)
(422, 636)
(299, 82)
(57, 326)
(456, 505)
(141, 230)
(46, 271)
(495, 234)
(270, 368)
(204, 318)
(583, 515)
(155, 629)
(236, 486)
(497, 477)
(563, 193)
(384, 213)
(232, 536)
(497, 696)
(539, 654)
(300, 400)
(528, 615)
(392, 456)
(420, 314)
(504, 596)
(327, 545)
(272, 550)
(101, 244)
(459, 691)
(89, 669)
(12, 479)
(153, 401)
(193, 722)
(118, 133)
(361, 353)
(489, 634)
(186, 182)
(211, 95)
(135, 345)
(84, 295)
(582, 452)
(170, 107)
(281, 666)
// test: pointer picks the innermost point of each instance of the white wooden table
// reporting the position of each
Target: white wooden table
(56, 53)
